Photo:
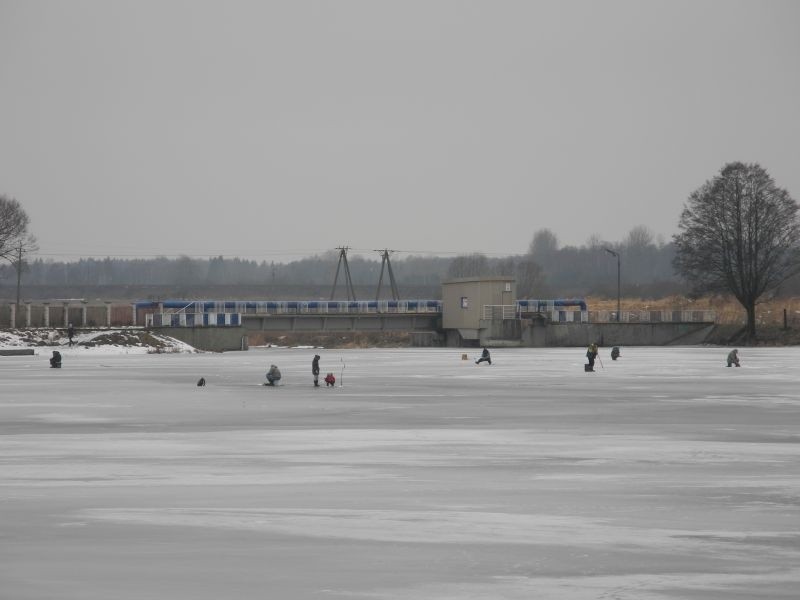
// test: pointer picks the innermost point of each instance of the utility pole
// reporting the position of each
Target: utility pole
(612, 253)
(385, 262)
(19, 273)
(351, 292)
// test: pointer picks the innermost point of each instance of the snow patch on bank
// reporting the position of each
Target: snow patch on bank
(128, 340)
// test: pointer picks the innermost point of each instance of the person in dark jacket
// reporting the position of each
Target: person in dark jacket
(55, 360)
(273, 375)
(733, 358)
(615, 353)
(70, 334)
(315, 369)
(484, 357)
(591, 354)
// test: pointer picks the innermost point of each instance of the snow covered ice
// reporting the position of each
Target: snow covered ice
(662, 475)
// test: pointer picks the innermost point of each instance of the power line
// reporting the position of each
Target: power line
(189, 254)
(293, 253)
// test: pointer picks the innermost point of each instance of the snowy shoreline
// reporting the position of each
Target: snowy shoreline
(125, 340)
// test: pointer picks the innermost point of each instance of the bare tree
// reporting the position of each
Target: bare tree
(641, 254)
(739, 233)
(530, 278)
(638, 238)
(13, 226)
(17, 258)
(15, 241)
(595, 242)
(503, 266)
(469, 265)
(543, 245)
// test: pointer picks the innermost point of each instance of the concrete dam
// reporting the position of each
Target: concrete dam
(473, 312)
(476, 311)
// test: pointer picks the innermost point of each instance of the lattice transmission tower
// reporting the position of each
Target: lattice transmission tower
(351, 292)
(387, 265)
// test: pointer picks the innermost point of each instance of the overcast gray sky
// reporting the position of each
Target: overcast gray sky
(271, 129)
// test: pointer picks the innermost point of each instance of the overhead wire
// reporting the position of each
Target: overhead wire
(298, 254)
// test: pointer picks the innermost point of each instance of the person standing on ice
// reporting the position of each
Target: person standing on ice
(315, 369)
(484, 357)
(733, 358)
(70, 334)
(591, 354)
(273, 375)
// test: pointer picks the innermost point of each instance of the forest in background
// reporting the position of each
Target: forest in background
(546, 270)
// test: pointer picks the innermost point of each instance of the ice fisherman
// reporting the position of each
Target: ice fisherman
(591, 354)
(55, 360)
(733, 358)
(615, 353)
(70, 334)
(330, 380)
(315, 369)
(273, 375)
(484, 357)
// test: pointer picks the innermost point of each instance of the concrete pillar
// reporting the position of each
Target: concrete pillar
(83, 313)
(46, 314)
(66, 314)
(27, 314)
(13, 319)
(108, 313)
(133, 320)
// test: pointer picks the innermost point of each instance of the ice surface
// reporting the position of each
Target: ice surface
(662, 475)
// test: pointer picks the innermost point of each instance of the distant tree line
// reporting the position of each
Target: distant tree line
(220, 270)
(646, 265)
(546, 270)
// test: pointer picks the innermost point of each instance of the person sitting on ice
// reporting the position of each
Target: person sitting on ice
(615, 353)
(330, 380)
(733, 358)
(55, 360)
(273, 375)
(484, 357)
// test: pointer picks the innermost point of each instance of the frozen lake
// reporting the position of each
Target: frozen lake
(663, 475)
